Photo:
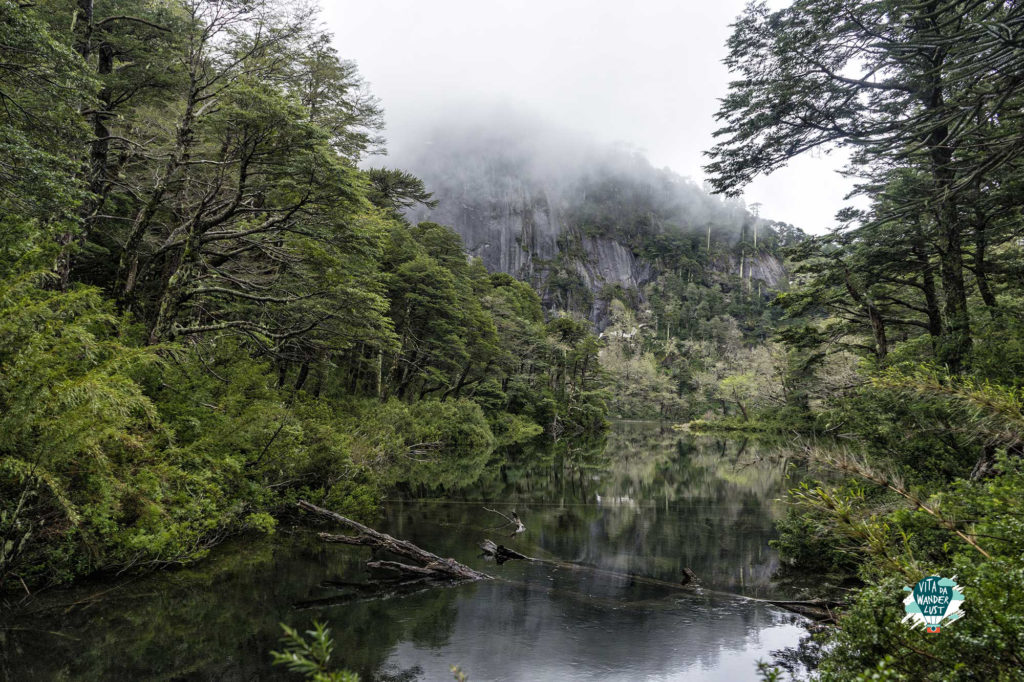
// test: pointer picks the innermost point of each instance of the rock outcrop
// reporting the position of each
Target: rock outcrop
(573, 223)
(762, 267)
(525, 232)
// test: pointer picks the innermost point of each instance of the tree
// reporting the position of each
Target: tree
(223, 194)
(126, 53)
(42, 86)
(929, 86)
(395, 189)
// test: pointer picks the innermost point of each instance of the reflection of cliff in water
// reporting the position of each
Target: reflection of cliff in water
(649, 501)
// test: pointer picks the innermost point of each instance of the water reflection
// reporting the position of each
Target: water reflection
(649, 501)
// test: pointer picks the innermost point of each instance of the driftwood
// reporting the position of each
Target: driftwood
(500, 553)
(821, 610)
(688, 577)
(425, 564)
(514, 521)
(395, 578)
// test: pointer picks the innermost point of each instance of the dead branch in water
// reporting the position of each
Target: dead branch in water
(512, 521)
(395, 578)
(503, 554)
(820, 610)
(425, 564)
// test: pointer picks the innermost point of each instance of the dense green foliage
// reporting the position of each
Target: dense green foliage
(706, 312)
(698, 340)
(904, 331)
(208, 309)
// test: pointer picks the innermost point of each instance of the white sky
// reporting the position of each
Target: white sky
(647, 73)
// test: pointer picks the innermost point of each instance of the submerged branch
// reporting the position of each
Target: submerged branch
(513, 521)
(394, 577)
(425, 563)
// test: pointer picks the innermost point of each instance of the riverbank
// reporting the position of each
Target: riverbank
(728, 425)
(651, 502)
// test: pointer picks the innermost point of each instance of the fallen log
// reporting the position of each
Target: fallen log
(501, 553)
(821, 610)
(425, 564)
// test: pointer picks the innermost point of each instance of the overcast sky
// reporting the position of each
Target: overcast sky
(647, 73)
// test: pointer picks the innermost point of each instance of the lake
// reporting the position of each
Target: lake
(647, 501)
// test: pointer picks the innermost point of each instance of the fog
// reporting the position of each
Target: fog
(646, 75)
(486, 163)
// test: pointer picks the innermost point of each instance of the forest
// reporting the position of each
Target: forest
(215, 301)
(921, 291)
(679, 283)
(209, 310)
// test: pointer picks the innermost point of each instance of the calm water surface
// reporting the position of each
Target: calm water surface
(649, 502)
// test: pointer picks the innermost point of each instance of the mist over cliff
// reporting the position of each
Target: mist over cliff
(573, 216)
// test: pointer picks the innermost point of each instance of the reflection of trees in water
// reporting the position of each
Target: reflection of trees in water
(667, 501)
(218, 620)
(648, 501)
(510, 633)
(366, 633)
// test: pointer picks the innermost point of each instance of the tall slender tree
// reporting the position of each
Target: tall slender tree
(925, 85)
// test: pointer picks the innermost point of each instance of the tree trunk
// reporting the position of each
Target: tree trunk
(300, 380)
(426, 564)
(931, 298)
(380, 368)
(97, 172)
(83, 46)
(128, 267)
(458, 384)
(956, 342)
(981, 266)
(875, 320)
(176, 290)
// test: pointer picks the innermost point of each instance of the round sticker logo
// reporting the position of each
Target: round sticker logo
(932, 601)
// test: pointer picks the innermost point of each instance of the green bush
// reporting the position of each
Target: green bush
(310, 658)
(115, 455)
(973, 530)
(428, 442)
(89, 473)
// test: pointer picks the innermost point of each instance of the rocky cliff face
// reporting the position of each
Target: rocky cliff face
(525, 232)
(762, 267)
(573, 222)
